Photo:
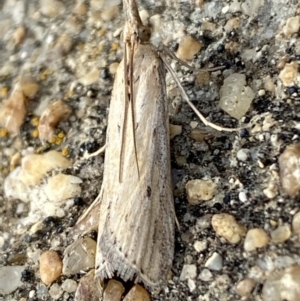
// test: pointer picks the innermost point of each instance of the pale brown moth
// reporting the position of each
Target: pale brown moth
(135, 209)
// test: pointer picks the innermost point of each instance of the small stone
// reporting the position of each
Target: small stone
(198, 135)
(292, 26)
(189, 271)
(52, 8)
(35, 167)
(63, 44)
(13, 111)
(89, 288)
(255, 238)
(69, 285)
(113, 291)
(19, 35)
(245, 287)
(80, 255)
(232, 24)
(243, 196)
(109, 13)
(235, 96)
(50, 267)
(271, 191)
(227, 227)
(296, 223)
(10, 278)
(200, 246)
(205, 275)
(200, 190)
(175, 130)
(90, 78)
(62, 187)
(28, 85)
(289, 74)
(203, 78)
(281, 234)
(51, 116)
(137, 293)
(250, 7)
(191, 285)
(282, 285)
(55, 291)
(242, 154)
(290, 283)
(214, 262)
(289, 165)
(113, 68)
(188, 48)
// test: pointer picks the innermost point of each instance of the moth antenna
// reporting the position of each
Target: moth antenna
(197, 112)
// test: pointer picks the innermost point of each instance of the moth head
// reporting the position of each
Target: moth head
(144, 34)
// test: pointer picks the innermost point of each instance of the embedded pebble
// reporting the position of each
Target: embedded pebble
(282, 285)
(296, 223)
(291, 26)
(289, 74)
(63, 44)
(34, 166)
(62, 187)
(232, 24)
(51, 116)
(19, 35)
(189, 271)
(113, 291)
(191, 285)
(235, 96)
(80, 255)
(28, 85)
(289, 166)
(12, 112)
(69, 285)
(175, 130)
(205, 275)
(89, 288)
(200, 246)
(137, 293)
(52, 8)
(188, 47)
(50, 267)
(281, 234)
(271, 191)
(243, 196)
(202, 78)
(214, 262)
(10, 278)
(198, 135)
(90, 78)
(245, 287)
(55, 291)
(250, 7)
(242, 154)
(227, 227)
(200, 190)
(113, 68)
(255, 238)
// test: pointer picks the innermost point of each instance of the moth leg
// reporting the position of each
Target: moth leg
(198, 113)
(90, 218)
(87, 156)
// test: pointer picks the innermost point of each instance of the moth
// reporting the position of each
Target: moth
(135, 209)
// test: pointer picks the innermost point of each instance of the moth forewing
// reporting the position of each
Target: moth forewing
(136, 224)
